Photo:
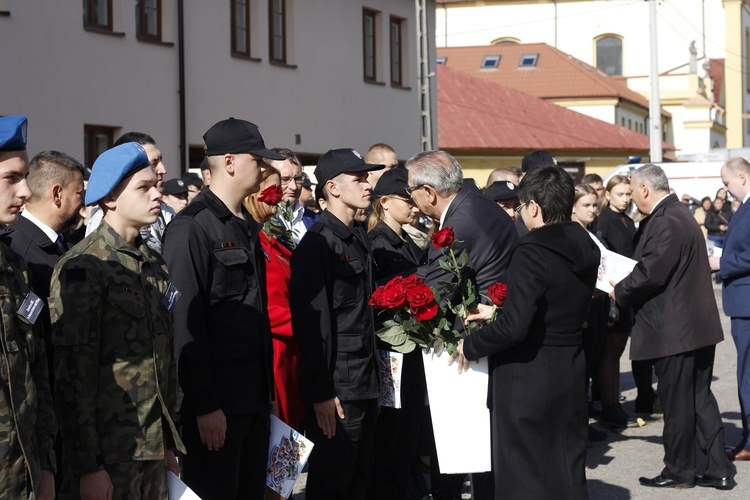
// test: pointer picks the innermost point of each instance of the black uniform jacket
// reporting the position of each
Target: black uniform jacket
(332, 322)
(670, 287)
(392, 255)
(221, 328)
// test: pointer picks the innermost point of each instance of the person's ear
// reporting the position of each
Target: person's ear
(57, 190)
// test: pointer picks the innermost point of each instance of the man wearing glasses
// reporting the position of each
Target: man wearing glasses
(481, 227)
(290, 169)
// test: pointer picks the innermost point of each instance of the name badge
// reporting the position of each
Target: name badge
(170, 297)
(31, 307)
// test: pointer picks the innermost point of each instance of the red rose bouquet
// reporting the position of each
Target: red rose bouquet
(272, 196)
(418, 320)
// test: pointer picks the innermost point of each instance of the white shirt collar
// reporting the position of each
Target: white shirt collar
(657, 203)
(51, 234)
(445, 211)
(744, 200)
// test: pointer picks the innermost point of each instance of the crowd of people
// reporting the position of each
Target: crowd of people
(154, 325)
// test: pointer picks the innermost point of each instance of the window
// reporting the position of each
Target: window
(97, 14)
(396, 48)
(277, 30)
(369, 43)
(441, 60)
(528, 60)
(148, 19)
(609, 54)
(241, 27)
(505, 40)
(490, 62)
(96, 140)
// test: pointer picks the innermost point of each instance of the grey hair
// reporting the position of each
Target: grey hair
(738, 164)
(437, 169)
(653, 176)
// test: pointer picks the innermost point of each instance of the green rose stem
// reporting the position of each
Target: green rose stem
(457, 271)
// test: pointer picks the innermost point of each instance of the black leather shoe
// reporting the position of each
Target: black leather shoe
(664, 482)
(723, 483)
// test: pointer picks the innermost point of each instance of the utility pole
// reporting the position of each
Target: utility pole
(424, 76)
(654, 100)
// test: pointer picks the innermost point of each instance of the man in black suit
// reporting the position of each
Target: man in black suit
(677, 328)
(480, 226)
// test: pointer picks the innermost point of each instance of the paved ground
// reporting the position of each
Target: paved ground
(614, 466)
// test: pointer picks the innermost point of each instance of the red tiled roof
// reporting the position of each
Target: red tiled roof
(716, 72)
(556, 75)
(477, 115)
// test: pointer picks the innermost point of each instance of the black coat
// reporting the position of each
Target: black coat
(392, 255)
(539, 416)
(617, 230)
(670, 287)
(482, 227)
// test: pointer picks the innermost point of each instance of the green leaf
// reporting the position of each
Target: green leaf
(406, 347)
(453, 349)
(446, 266)
(438, 345)
(389, 323)
(443, 324)
(463, 258)
(394, 335)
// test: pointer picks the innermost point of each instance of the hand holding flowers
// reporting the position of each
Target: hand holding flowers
(273, 196)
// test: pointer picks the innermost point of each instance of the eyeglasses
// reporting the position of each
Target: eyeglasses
(410, 189)
(297, 179)
(519, 207)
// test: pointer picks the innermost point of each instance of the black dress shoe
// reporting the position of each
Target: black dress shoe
(723, 483)
(664, 482)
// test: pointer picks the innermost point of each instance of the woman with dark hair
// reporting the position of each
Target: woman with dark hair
(394, 253)
(278, 274)
(701, 212)
(717, 221)
(539, 417)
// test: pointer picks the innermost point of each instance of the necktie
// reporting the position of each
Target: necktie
(60, 242)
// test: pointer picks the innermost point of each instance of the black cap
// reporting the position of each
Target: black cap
(192, 179)
(306, 182)
(341, 161)
(234, 136)
(537, 159)
(501, 191)
(393, 181)
(174, 186)
(204, 164)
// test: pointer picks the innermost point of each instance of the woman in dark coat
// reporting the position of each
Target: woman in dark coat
(539, 415)
(394, 253)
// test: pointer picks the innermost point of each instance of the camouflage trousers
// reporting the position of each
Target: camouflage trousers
(133, 480)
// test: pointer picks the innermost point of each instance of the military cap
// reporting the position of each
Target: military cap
(537, 159)
(174, 186)
(13, 133)
(341, 161)
(501, 191)
(392, 181)
(113, 166)
(233, 136)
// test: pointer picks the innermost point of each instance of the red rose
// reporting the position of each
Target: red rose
(271, 195)
(412, 281)
(422, 302)
(394, 295)
(443, 238)
(377, 299)
(497, 293)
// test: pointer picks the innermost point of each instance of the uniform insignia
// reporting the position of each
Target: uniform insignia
(171, 296)
(357, 154)
(31, 307)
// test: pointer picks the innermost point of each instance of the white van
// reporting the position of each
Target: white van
(698, 179)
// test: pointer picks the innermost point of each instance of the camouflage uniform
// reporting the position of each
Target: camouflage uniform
(27, 417)
(115, 375)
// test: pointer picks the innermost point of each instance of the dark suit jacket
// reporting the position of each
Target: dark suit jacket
(485, 230)
(40, 255)
(670, 287)
(735, 265)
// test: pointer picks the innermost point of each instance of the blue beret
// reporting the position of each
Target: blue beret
(13, 133)
(113, 166)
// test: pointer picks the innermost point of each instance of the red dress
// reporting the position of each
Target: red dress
(285, 352)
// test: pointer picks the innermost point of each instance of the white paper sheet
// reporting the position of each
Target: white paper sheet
(179, 490)
(612, 266)
(391, 366)
(288, 451)
(460, 417)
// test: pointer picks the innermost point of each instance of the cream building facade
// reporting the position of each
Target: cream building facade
(312, 75)
(613, 35)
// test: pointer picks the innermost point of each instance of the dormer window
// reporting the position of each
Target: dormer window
(528, 60)
(491, 62)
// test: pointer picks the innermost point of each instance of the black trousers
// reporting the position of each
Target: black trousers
(691, 415)
(238, 469)
(339, 468)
